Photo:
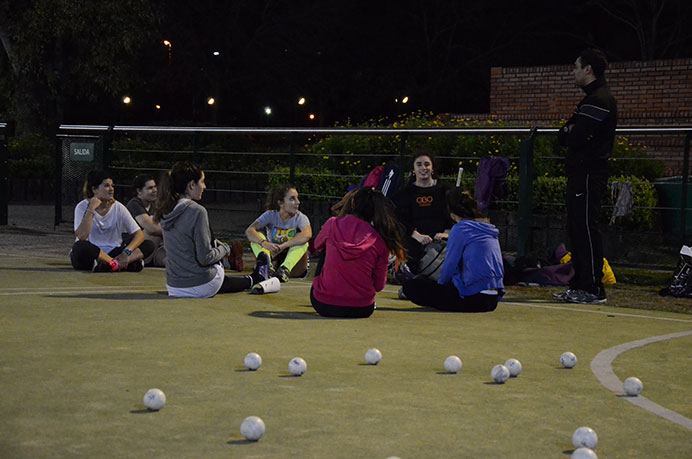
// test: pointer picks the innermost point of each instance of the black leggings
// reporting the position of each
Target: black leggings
(232, 284)
(426, 292)
(84, 253)
(329, 310)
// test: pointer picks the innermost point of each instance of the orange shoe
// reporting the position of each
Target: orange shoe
(235, 258)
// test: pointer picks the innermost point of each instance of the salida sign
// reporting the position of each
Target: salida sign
(82, 151)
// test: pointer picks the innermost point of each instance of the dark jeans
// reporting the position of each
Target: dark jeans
(328, 310)
(425, 292)
(584, 194)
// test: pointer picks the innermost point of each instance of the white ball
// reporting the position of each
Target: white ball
(154, 399)
(632, 386)
(584, 437)
(252, 428)
(373, 356)
(514, 367)
(452, 364)
(297, 366)
(500, 374)
(583, 453)
(568, 360)
(252, 361)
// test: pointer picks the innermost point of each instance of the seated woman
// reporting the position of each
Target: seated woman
(99, 224)
(194, 268)
(141, 208)
(280, 236)
(422, 209)
(354, 250)
(471, 275)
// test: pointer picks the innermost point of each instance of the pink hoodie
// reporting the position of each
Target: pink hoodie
(355, 267)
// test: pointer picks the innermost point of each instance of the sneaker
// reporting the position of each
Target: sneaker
(101, 267)
(562, 296)
(135, 266)
(403, 273)
(282, 274)
(584, 297)
(262, 269)
(401, 294)
(235, 258)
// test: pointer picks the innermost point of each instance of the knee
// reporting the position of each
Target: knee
(147, 248)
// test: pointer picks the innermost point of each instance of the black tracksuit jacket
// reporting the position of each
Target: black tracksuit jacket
(590, 142)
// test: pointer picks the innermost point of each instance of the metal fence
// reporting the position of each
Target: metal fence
(4, 175)
(69, 172)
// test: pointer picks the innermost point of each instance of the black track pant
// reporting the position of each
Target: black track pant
(584, 194)
(329, 310)
(425, 292)
(84, 253)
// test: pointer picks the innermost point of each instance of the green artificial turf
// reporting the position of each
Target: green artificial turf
(78, 351)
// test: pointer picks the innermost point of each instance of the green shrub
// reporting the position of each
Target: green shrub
(31, 157)
(313, 183)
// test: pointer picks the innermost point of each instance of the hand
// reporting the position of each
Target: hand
(441, 236)
(94, 202)
(123, 260)
(422, 239)
(275, 249)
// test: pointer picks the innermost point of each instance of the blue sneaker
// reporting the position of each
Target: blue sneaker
(584, 297)
(262, 269)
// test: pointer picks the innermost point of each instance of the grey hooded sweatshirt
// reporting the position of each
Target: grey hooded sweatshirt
(187, 238)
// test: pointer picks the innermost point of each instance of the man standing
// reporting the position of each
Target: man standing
(588, 135)
(142, 209)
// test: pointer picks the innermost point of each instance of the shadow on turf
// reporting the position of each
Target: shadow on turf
(290, 315)
(118, 296)
(240, 442)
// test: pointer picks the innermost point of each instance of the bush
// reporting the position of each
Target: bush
(31, 157)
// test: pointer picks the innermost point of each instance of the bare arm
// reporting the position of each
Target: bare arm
(123, 258)
(84, 229)
(148, 225)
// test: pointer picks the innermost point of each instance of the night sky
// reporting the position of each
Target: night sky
(358, 59)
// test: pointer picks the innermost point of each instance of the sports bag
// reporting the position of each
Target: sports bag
(431, 263)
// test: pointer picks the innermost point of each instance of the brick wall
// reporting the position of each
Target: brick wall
(648, 93)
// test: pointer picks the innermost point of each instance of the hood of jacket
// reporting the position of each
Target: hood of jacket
(474, 229)
(169, 220)
(353, 236)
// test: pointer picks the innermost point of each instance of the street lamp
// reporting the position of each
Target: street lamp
(301, 101)
(168, 45)
(267, 111)
(210, 101)
(127, 100)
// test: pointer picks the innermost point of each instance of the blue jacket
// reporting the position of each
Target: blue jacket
(474, 260)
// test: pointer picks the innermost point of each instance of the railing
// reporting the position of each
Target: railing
(4, 175)
(525, 159)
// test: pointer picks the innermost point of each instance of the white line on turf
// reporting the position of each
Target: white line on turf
(608, 313)
(75, 290)
(601, 366)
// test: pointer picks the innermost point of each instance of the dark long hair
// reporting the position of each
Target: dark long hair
(276, 194)
(462, 204)
(93, 179)
(374, 207)
(173, 185)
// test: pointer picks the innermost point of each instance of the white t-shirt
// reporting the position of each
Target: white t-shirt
(106, 232)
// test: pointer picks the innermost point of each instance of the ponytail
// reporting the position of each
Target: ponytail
(172, 187)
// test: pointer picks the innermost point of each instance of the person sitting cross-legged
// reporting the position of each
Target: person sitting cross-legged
(279, 237)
